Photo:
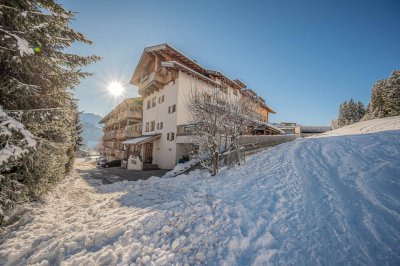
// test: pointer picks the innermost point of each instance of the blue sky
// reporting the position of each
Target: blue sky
(303, 57)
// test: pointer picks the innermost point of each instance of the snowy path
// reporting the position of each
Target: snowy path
(315, 201)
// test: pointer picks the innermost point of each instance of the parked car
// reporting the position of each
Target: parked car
(114, 163)
(101, 161)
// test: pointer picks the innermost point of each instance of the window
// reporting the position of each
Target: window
(172, 109)
(147, 126)
(171, 136)
(235, 92)
(161, 99)
(153, 102)
(152, 125)
(148, 104)
(160, 125)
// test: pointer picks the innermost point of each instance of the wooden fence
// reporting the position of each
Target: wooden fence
(263, 141)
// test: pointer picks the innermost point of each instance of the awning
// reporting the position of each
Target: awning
(142, 139)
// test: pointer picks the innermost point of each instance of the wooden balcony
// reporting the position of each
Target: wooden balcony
(132, 133)
(108, 135)
(150, 83)
(121, 154)
(120, 133)
(129, 114)
(109, 151)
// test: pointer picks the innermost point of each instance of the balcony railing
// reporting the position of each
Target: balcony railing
(132, 133)
(186, 130)
(120, 133)
(110, 135)
(129, 114)
(121, 154)
(154, 81)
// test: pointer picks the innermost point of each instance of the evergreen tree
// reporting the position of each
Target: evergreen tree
(350, 112)
(38, 115)
(385, 98)
(342, 119)
(360, 110)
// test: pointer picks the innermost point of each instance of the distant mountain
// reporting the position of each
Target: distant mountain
(92, 130)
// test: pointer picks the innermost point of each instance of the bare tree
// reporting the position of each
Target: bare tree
(241, 113)
(219, 120)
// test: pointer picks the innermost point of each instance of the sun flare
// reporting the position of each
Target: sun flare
(115, 88)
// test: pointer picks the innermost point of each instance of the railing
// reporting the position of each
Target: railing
(121, 154)
(185, 130)
(110, 134)
(134, 114)
(109, 151)
(129, 114)
(150, 80)
(122, 115)
(132, 133)
(120, 133)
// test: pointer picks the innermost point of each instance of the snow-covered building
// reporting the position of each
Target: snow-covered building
(123, 122)
(165, 78)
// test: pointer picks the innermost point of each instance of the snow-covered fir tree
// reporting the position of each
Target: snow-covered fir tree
(39, 121)
(350, 112)
(385, 98)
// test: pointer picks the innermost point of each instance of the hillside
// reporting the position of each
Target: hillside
(370, 126)
(326, 200)
(92, 130)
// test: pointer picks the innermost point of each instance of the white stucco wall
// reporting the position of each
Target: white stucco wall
(166, 154)
(164, 151)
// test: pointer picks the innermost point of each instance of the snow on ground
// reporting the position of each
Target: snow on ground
(313, 201)
(376, 125)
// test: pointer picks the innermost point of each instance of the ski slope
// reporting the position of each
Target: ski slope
(315, 201)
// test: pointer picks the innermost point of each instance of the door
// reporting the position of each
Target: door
(148, 153)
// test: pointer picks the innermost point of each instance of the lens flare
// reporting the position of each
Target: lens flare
(115, 88)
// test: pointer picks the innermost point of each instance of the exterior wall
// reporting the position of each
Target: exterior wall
(166, 154)
(187, 83)
(164, 151)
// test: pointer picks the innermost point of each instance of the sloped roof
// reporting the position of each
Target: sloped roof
(142, 139)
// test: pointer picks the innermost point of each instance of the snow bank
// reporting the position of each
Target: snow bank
(370, 126)
(332, 200)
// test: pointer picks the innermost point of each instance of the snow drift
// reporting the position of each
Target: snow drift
(331, 200)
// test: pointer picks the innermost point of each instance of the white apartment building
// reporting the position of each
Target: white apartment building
(165, 78)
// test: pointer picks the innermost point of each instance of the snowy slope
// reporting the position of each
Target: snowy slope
(332, 200)
(376, 125)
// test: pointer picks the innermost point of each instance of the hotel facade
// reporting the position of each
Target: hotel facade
(165, 78)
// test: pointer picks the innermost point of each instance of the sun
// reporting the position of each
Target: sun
(115, 88)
